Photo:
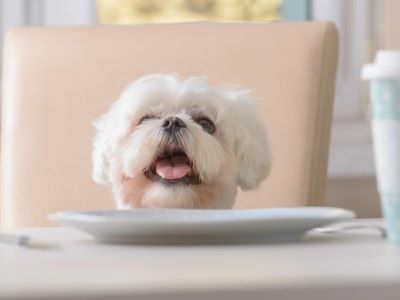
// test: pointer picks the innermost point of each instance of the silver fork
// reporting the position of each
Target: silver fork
(23, 240)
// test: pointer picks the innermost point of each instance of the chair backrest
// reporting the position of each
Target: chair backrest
(57, 80)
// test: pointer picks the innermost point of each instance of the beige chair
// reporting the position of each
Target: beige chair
(57, 80)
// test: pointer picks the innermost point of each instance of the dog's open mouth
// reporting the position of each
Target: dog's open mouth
(172, 167)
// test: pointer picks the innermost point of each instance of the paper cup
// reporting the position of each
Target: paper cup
(384, 76)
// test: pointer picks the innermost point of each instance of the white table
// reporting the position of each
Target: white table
(325, 266)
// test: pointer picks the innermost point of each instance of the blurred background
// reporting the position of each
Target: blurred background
(364, 26)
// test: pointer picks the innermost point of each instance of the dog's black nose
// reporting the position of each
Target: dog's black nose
(173, 124)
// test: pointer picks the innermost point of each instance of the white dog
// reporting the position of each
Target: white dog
(173, 143)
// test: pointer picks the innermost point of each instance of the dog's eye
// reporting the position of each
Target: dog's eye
(144, 118)
(207, 125)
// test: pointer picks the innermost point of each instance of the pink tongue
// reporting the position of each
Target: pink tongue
(173, 168)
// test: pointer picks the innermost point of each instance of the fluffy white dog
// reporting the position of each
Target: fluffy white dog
(173, 143)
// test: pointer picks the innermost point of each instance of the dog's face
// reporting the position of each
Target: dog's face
(177, 143)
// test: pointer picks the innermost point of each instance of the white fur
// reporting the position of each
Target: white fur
(237, 153)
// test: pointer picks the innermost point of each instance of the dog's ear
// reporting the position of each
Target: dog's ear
(251, 145)
(105, 142)
(100, 165)
(101, 155)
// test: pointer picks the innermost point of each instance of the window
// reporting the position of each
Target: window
(124, 12)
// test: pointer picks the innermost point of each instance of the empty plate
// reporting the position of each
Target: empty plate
(201, 226)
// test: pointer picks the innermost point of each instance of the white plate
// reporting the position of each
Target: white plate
(201, 226)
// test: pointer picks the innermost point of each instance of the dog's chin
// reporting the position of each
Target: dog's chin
(172, 181)
(172, 167)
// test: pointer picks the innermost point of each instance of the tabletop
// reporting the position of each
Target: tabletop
(71, 265)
